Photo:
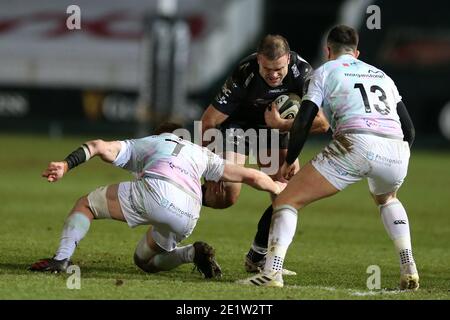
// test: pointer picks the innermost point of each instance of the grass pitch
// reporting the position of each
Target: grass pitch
(336, 241)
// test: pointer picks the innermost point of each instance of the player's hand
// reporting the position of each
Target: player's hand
(281, 186)
(287, 170)
(55, 171)
(272, 117)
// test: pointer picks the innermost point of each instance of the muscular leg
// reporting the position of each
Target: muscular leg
(151, 258)
(258, 250)
(221, 195)
(78, 222)
(395, 221)
(307, 186)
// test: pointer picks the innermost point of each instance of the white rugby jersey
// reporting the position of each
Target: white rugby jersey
(168, 157)
(356, 97)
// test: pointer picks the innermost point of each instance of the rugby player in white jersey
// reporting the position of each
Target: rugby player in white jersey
(372, 136)
(166, 195)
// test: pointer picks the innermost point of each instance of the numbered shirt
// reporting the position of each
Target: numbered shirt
(172, 158)
(356, 97)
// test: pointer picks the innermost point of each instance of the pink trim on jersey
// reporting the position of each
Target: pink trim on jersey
(176, 170)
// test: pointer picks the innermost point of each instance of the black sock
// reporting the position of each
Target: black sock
(262, 235)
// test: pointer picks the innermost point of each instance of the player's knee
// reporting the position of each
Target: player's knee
(82, 205)
(382, 199)
(144, 265)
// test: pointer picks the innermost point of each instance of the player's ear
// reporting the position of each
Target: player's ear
(328, 52)
(357, 54)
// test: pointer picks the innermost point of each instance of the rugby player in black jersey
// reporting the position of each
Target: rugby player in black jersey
(245, 102)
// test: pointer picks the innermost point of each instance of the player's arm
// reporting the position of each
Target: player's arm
(320, 124)
(254, 178)
(211, 118)
(409, 132)
(273, 120)
(298, 135)
(224, 104)
(106, 150)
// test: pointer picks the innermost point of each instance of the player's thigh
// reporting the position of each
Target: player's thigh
(104, 203)
(173, 215)
(307, 186)
(389, 161)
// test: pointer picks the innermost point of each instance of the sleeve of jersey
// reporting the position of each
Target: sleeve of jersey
(306, 72)
(397, 95)
(215, 166)
(315, 90)
(124, 155)
(228, 99)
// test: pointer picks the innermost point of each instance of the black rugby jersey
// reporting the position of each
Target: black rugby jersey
(245, 95)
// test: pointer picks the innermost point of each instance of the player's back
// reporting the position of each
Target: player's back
(359, 97)
(169, 157)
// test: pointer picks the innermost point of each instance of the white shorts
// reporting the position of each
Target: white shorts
(352, 157)
(172, 212)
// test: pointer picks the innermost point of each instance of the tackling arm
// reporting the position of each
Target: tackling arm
(300, 129)
(252, 177)
(107, 150)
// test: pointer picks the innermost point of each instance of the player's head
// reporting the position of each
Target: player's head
(273, 59)
(167, 127)
(341, 40)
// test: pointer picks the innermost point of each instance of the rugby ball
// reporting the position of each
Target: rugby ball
(288, 105)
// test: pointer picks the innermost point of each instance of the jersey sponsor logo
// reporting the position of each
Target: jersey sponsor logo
(399, 222)
(249, 78)
(295, 71)
(226, 91)
(372, 74)
(279, 90)
(341, 171)
(182, 170)
(244, 66)
(376, 72)
(371, 124)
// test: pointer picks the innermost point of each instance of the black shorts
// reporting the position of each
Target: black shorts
(247, 141)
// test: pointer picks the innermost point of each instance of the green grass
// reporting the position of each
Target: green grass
(336, 240)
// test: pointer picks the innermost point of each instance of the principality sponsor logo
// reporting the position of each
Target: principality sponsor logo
(173, 208)
(382, 159)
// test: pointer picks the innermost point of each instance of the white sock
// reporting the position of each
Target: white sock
(170, 260)
(282, 231)
(75, 228)
(396, 223)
